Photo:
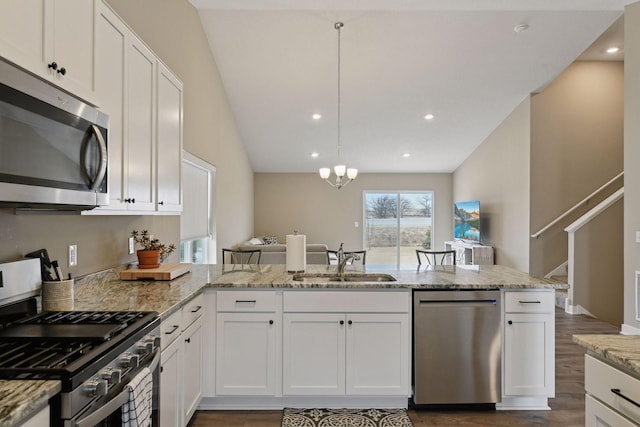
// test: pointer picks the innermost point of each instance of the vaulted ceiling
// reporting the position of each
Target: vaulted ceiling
(467, 62)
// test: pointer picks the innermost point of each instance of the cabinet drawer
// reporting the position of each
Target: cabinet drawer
(170, 329)
(250, 301)
(600, 381)
(529, 302)
(347, 301)
(598, 415)
(192, 310)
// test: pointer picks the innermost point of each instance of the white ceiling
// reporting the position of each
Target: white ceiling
(458, 59)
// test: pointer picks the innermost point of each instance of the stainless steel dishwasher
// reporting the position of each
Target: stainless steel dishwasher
(456, 348)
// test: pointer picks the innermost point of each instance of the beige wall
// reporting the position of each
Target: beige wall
(599, 243)
(288, 201)
(631, 158)
(576, 146)
(172, 29)
(497, 174)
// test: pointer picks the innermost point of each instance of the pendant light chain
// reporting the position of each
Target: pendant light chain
(338, 26)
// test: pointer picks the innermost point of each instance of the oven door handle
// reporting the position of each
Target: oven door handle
(108, 408)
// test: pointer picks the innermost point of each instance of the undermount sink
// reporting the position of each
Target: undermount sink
(344, 277)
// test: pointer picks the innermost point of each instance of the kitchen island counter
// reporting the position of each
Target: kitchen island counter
(105, 291)
(622, 351)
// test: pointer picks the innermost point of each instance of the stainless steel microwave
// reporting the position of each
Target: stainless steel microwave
(53, 146)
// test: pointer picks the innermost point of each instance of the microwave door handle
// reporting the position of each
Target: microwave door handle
(115, 403)
(102, 170)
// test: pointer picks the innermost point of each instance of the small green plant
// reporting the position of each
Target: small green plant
(143, 239)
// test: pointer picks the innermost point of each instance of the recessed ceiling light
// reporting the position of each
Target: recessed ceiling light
(429, 116)
(314, 154)
(405, 155)
(316, 116)
(613, 49)
(521, 28)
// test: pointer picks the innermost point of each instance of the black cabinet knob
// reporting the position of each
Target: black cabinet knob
(62, 71)
(53, 66)
(350, 322)
(342, 322)
(510, 322)
(161, 202)
(188, 340)
(271, 322)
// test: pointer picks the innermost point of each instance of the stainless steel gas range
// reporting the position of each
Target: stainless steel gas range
(93, 354)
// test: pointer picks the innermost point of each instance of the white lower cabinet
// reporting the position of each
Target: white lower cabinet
(181, 364)
(170, 366)
(247, 340)
(314, 340)
(192, 375)
(528, 363)
(612, 396)
(363, 351)
(352, 353)
(41, 419)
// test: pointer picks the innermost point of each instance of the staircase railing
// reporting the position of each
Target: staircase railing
(576, 206)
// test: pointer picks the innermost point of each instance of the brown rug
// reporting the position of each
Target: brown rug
(345, 418)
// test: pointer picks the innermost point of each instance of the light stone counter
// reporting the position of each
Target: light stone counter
(622, 351)
(19, 400)
(105, 291)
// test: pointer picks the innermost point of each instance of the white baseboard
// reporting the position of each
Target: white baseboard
(629, 330)
(277, 403)
(576, 309)
(521, 403)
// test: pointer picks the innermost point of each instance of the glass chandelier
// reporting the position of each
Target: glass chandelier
(340, 169)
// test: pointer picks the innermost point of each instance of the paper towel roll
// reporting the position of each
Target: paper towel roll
(296, 252)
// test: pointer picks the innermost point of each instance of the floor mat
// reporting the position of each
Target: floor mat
(345, 418)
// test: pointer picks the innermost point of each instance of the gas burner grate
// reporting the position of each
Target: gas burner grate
(85, 317)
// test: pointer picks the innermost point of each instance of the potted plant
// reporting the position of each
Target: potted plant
(153, 252)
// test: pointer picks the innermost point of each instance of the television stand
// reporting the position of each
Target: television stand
(470, 253)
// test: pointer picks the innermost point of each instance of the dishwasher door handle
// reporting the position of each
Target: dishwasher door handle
(459, 301)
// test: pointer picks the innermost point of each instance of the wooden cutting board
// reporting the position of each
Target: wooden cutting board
(166, 271)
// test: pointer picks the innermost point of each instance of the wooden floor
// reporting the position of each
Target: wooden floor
(567, 408)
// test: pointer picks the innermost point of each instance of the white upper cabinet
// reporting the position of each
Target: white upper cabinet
(144, 102)
(53, 39)
(169, 141)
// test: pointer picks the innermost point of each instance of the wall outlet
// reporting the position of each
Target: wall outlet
(132, 245)
(356, 224)
(73, 255)
(637, 236)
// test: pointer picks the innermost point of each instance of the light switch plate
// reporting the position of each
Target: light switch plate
(637, 236)
(131, 246)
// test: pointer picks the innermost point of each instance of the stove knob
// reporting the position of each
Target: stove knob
(145, 347)
(155, 340)
(96, 387)
(130, 360)
(112, 375)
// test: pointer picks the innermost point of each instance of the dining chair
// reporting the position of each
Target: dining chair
(242, 256)
(431, 257)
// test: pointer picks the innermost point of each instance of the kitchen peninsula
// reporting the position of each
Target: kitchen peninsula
(255, 302)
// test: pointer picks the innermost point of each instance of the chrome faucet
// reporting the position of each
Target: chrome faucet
(343, 263)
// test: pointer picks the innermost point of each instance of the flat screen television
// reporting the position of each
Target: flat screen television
(466, 220)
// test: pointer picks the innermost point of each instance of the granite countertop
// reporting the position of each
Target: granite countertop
(22, 399)
(107, 292)
(620, 350)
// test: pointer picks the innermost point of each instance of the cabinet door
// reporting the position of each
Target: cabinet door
(73, 46)
(192, 341)
(23, 32)
(246, 353)
(313, 359)
(110, 77)
(375, 341)
(140, 127)
(169, 141)
(597, 414)
(170, 385)
(529, 346)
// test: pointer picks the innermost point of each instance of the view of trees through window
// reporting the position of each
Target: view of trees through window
(396, 224)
